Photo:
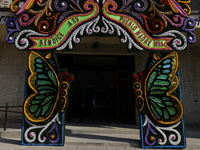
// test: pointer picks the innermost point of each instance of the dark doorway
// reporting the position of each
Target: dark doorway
(102, 90)
(95, 89)
(126, 97)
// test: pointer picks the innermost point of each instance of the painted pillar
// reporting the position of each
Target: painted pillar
(46, 99)
(159, 102)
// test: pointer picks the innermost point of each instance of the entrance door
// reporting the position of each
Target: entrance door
(126, 102)
(95, 89)
(101, 92)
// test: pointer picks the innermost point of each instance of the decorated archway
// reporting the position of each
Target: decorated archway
(45, 26)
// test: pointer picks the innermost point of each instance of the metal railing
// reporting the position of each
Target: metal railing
(6, 112)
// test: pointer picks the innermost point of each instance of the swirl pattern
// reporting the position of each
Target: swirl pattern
(173, 139)
(152, 17)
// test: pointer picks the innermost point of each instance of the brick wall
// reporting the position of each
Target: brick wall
(189, 67)
(13, 64)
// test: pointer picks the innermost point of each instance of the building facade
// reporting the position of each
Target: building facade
(99, 51)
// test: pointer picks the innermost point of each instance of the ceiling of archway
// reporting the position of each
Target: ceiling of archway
(141, 24)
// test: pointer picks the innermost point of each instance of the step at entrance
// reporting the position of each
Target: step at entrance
(102, 135)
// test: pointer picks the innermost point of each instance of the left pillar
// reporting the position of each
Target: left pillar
(45, 100)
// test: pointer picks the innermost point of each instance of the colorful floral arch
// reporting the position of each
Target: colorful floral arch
(45, 26)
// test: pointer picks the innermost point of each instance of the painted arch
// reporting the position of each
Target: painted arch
(45, 26)
(141, 24)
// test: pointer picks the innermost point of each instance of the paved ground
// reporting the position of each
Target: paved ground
(92, 137)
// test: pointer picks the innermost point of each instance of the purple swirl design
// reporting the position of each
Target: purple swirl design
(126, 7)
(77, 8)
(138, 7)
(146, 135)
(11, 23)
(56, 128)
(189, 22)
(63, 6)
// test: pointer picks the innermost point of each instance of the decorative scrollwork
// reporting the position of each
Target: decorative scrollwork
(62, 7)
(23, 43)
(138, 6)
(45, 24)
(156, 24)
(176, 18)
(75, 9)
(172, 139)
(14, 7)
(30, 136)
(154, 7)
(119, 30)
(186, 3)
(149, 17)
(191, 24)
(85, 27)
(178, 44)
(25, 17)
(12, 27)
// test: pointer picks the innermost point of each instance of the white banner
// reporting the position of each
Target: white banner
(4, 15)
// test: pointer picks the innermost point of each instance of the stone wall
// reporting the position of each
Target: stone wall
(13, 64)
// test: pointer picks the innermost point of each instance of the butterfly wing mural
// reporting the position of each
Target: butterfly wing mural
(159, 83)
(160, 105)
(46, 101)
(45, 83)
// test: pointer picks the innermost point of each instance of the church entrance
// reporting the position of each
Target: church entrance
(102, 91)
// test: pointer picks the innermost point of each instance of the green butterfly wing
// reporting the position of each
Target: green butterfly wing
(160, 82)
(44, 81)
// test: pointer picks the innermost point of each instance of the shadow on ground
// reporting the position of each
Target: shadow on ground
(132, 142)
(10, 141)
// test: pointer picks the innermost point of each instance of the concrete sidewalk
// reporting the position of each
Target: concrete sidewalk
(92, 137)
